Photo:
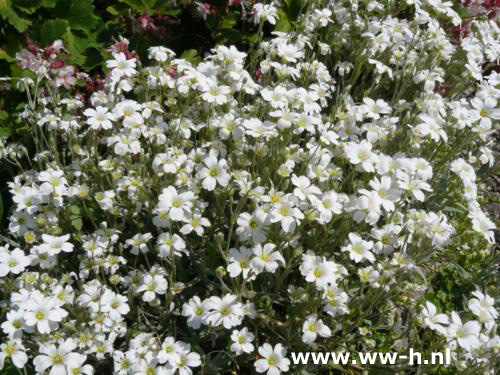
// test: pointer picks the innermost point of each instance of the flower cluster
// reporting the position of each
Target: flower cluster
(199, 217)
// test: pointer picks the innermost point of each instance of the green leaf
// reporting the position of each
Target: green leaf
(82, 15)
(230, 35)
(230, 20)
(283, 23)
(1, 207)
(74, 43)
(27, 6)
(117, 9)
(190, 55)
(75, 217)
(4, 132)
(49, 3)
(9, 14)
(137, 5)
(54, 29)
(5, 56)
(294, 8)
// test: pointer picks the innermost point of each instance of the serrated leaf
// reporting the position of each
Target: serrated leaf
(82, 15)
(53, 30)
(74, 43)
(9, 14)
(27, 6)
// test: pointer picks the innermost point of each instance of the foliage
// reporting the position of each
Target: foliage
(316, 189)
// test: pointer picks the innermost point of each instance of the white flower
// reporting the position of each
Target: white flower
(114, 304)
(318, 270)
(266, 259)
(14, 261)
(160, 53)
(214, 93)
(413, 186)
(266, 12)
(273, 361)
(361, 153)
(196, 312)
(44, 313)
(482, 305)
(170, 244)
(53, 182)
(359, 249)
(14, 350)
(464, 170)
(196, 224)
(125, 144)
(373, 108)
(253, 226)
(369, 275)
(226, 311)
(314, 327)
(177, 205)
(242, 341)
(432, 319)
(467, 335)
(139, 243)
(482, 224)
(214, 171)
(239, 262)
(121, 66)
(287, 213)
(99, 118)
(304, 189)
(57, 358)
(327, 204)
(170, 350)
(152, 285)
(53, 245)
(14, 324)
(186, 361)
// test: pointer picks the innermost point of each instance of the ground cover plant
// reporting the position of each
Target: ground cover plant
(318, 186)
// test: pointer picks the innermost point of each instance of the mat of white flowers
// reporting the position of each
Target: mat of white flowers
(197, 217)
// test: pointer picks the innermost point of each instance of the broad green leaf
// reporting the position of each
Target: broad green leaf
(294, 8)
(9, 14)
(82, 15)
(189, 55)
(4, 132)
(54, 29)
(230, 20)
(283, 23)
(5, 56)
(27, 6)
(76, 44)
(230, 35)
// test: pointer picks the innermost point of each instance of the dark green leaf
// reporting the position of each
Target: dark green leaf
(9, 14)
(82, 15)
